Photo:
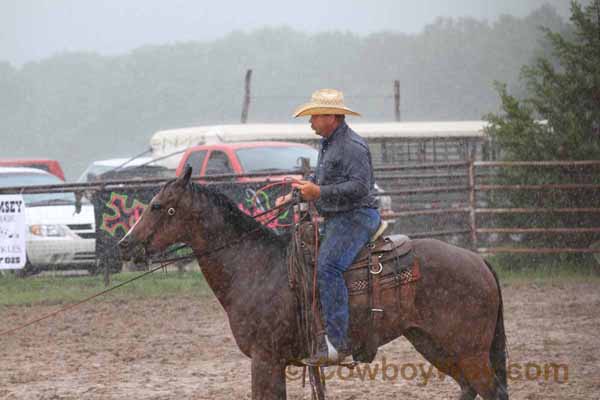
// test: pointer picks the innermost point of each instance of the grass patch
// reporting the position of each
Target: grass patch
(63, 290)
(513, 271)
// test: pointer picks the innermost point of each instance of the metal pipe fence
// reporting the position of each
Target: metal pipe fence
(545, 193)
(428, 201)
(474, 206)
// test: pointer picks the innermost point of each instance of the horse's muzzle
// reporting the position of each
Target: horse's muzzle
(132, 250)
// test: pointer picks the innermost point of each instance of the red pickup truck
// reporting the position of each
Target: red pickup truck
(51, 166)
(255, 157)
(245, 158)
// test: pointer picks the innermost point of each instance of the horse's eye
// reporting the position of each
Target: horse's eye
(155, 207)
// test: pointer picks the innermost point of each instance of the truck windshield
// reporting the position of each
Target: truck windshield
(257, 159)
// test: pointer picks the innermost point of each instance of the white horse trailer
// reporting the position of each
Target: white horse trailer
(390, 142)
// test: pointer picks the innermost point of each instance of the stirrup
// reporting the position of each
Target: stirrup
(347, 362)
(328, 355)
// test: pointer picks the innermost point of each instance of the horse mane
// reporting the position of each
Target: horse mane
(236, 217)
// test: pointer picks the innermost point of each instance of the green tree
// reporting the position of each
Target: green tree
(558, 119)
(563, 93)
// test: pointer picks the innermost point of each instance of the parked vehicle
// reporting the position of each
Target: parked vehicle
(255, 157)
(57, 236)
(136, 173)
(246, 158)
(100, 167)
(390, 142)
(51, 166)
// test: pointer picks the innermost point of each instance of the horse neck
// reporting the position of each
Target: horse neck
(248, 258)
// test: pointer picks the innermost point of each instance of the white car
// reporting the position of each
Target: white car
(57, 236)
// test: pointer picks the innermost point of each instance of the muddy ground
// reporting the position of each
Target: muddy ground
(181, 348)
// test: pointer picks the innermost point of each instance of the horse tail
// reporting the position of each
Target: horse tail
(498, 352)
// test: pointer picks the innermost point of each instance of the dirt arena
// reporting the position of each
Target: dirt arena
(181, 348)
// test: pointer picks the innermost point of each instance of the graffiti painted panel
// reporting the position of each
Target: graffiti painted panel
(121, 216)
(117, 211)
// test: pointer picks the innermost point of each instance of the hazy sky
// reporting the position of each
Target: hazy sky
(35, 29)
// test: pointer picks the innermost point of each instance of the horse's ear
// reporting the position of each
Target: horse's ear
(184, 179)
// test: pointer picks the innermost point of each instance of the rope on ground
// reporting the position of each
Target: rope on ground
(89, 298)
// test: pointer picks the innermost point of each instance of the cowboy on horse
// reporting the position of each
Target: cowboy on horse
(343, 191)
(445, 300)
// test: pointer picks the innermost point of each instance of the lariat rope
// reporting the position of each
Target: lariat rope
(164, 262)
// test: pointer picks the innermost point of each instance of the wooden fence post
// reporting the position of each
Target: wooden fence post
(397, 100)
(472, 204)
(246, 105)
(106, 274)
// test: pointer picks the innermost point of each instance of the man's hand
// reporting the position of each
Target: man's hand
(283, 199)
(308, 190)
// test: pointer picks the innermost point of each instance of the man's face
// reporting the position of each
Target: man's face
(323, 125)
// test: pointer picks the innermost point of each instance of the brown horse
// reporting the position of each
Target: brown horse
(461, 329)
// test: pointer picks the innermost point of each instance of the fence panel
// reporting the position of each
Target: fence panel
(475, 204)
(538, 207)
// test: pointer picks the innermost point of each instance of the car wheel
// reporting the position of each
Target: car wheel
(94, 268)
(28, 270)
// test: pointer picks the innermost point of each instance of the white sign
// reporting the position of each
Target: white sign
(13, 231)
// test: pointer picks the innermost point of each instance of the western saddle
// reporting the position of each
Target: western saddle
(384, 264)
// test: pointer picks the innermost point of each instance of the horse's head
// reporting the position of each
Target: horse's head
(165, 221)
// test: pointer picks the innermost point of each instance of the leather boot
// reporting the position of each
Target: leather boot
(326, 354)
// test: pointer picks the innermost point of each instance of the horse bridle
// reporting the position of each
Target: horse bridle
(171, 211)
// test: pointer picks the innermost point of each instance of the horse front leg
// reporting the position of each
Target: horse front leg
(268, 378)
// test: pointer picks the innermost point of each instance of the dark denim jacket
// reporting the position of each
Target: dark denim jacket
(344, 173)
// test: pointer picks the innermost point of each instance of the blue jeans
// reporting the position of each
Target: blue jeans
(345, 235)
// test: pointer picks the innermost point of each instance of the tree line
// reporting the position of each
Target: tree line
(79, 107)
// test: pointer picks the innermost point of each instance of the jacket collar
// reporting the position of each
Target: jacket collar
(339, 131)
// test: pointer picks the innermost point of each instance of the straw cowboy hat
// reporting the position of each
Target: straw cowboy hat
(325, 101)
